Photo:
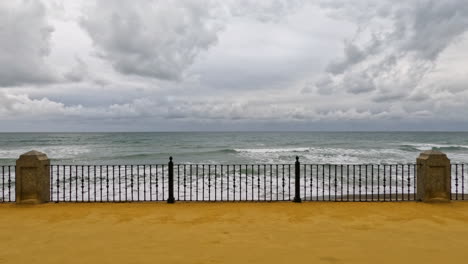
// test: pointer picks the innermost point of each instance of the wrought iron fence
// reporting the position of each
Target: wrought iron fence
(362, 182)
(233, 182)
(7, 184)
(458, 172)
(108, 183)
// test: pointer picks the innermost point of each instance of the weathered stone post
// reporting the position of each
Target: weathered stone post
(33, 178)
(433, 177)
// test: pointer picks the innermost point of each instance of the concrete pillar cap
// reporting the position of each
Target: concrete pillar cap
(34, 155)
(433, 152)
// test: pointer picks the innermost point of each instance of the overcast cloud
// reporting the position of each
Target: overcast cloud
(233, 65)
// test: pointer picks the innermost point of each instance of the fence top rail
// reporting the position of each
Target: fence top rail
(357, 164)
(106, 165)
(237, 164)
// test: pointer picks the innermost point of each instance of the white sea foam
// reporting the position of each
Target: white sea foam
(55, 152)
(273, 150)
(429, 146)
(326, 155)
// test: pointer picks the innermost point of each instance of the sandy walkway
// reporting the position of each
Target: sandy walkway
(235, 233)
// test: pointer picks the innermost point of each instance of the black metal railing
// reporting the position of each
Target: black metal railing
(459, 184)
(108, 183)
(361, 182)
(7, 183)
(233, 182)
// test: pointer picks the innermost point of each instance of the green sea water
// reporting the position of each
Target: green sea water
(234, 147)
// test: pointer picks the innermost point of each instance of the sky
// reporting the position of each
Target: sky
(233, 65)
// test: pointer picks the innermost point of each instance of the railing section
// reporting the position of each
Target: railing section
(108, 183)
(233, 182)
(459, 184)
(363, 182)
(7, 184)
(239, 182)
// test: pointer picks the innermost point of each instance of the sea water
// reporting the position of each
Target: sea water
(90, 183)
(234, 147)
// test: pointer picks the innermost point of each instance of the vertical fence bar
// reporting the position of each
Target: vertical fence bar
(360, 182)
(246, 182)
(178, 182)
(289, 182)
(209, 182)
(203, 182)
(234, 182)
(384, 182)
(396, 182)
(120, 184)
(82, 183)
(126, 182)
(402, 182)
(414, 182)
(456, 182)
(89, 178)
(283, 182)
(378, 182)
(336, 183)
(171, 198)
(341, 182)
(258, 182)
(58, 182)
(215, 176)
(347, 182)
(365, 175)
(9, 183)
(463, 181)
(196, 184)
(297, 182)
(191, 182)
(354, 183)
(144, 182)
(409, 180)
(264, 183)
(4, 185)
(156, 178)
(311, 183)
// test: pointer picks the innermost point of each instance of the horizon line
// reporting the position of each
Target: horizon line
(240, 131)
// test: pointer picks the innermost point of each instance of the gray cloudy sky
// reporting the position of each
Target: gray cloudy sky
(154, 65)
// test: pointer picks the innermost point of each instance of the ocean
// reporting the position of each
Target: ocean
(234, 147)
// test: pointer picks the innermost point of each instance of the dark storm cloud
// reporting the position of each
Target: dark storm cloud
(24, 43)
(157, 39)
(209, 64)
(417, 32)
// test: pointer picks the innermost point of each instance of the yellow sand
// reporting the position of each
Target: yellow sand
(235, 233)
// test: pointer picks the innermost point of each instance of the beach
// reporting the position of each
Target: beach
(283, 232)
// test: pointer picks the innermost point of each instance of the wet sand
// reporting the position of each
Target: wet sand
(317, 232)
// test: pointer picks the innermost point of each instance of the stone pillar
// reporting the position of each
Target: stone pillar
(33, 178)
(433, 177)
